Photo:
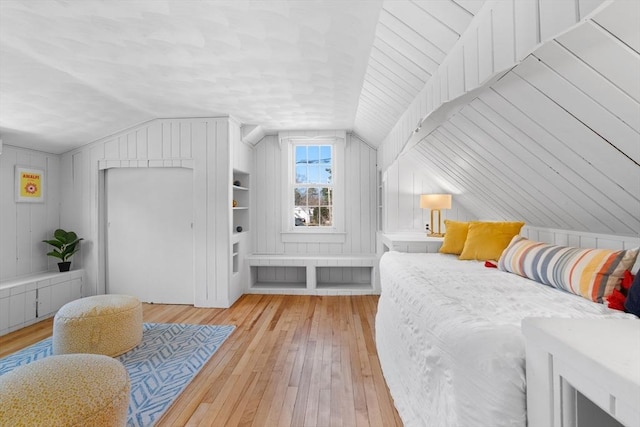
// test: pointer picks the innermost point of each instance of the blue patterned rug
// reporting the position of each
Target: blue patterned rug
(160, 368)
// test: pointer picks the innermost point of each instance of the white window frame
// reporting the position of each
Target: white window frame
(335, 233)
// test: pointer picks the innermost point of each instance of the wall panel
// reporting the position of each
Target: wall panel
(360, 194)
(503, 33)
(557, 137)
(602, 51)
(23, 226)
(556, 16)
(203, 145)
(404, 181)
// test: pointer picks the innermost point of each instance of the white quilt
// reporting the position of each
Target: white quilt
(449, 340)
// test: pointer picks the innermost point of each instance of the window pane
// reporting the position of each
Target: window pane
(314, 199)
(325, 174)
(314, 174)
(301, 174)
(314, 217)
(301, 217)
(300, 196)
(301, 154)
(313, 154)
(326, 197)
(326, 218)
(325, 154)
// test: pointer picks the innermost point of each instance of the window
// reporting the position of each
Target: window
(313, 186)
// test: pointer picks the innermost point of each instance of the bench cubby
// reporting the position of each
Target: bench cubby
(313, 274)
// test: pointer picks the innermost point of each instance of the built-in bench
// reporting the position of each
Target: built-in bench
(313, 274)
(28, 299)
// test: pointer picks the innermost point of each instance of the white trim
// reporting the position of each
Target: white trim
(313, 236)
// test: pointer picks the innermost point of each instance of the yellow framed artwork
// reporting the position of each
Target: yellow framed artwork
(29, 185)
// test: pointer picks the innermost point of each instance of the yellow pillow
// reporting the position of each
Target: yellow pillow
(487, 240)
(454, 237)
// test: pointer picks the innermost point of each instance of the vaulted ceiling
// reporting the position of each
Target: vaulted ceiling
(556, 141)
(74, 71)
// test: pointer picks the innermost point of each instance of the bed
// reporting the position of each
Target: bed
(449, 340)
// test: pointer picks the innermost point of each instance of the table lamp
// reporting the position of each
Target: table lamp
(435, 202)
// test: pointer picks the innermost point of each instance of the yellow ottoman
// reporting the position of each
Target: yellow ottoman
(67, 390)
(102, 324)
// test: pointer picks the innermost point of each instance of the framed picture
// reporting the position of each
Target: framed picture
(30, 185)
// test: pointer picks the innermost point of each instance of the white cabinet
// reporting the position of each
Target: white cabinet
(44, 297)
(28, 299)
(22, 304)
(4, 313)
(582, 372)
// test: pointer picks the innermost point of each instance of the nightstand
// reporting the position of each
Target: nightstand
(409, 242)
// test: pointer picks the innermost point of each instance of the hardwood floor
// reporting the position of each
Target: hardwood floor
(292, 361)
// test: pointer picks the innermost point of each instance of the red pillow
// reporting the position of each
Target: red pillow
(618, 297)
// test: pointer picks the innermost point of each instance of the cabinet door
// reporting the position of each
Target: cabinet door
(60, 293)
(16, 309)
(4, 313)
(75, 289)
(44, 301)
(30, 306)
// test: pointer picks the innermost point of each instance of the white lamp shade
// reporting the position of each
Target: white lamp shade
(435, 201)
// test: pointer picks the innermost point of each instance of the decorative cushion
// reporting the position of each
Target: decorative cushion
(455, 236)
(487, 240)
(590, 273)
(101, 324)
(618, 297)
(67, 390)
(632, 303)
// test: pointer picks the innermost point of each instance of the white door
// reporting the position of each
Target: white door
(150, 234)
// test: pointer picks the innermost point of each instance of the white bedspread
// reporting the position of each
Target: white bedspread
(449, 340)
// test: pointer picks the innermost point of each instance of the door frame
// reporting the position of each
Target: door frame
(101, 246)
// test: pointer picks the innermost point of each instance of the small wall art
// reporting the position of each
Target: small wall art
(30, 185)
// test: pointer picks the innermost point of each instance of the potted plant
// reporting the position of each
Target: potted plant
(66, 243)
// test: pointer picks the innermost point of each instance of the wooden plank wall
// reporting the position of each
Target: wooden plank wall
(500, 35)
(556, 141)
(360, 191)
(200, 144)
(404, 182)
(24, 225)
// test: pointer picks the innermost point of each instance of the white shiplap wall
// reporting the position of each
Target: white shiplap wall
(204, 145)
(500, 35)
(412, 39)
(24, 225)
(404, 181)
(556, 141)
(360, 191)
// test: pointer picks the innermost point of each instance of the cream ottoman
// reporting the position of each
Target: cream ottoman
(67, 390)
(102, 324)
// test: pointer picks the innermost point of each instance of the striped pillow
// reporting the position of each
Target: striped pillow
(590, 273)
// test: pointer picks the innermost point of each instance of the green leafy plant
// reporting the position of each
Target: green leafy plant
(66, 243)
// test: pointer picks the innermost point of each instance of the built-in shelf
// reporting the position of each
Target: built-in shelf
(279, 286)
(241, 201)
(344, 277)
(235, 260)
(313, 274)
